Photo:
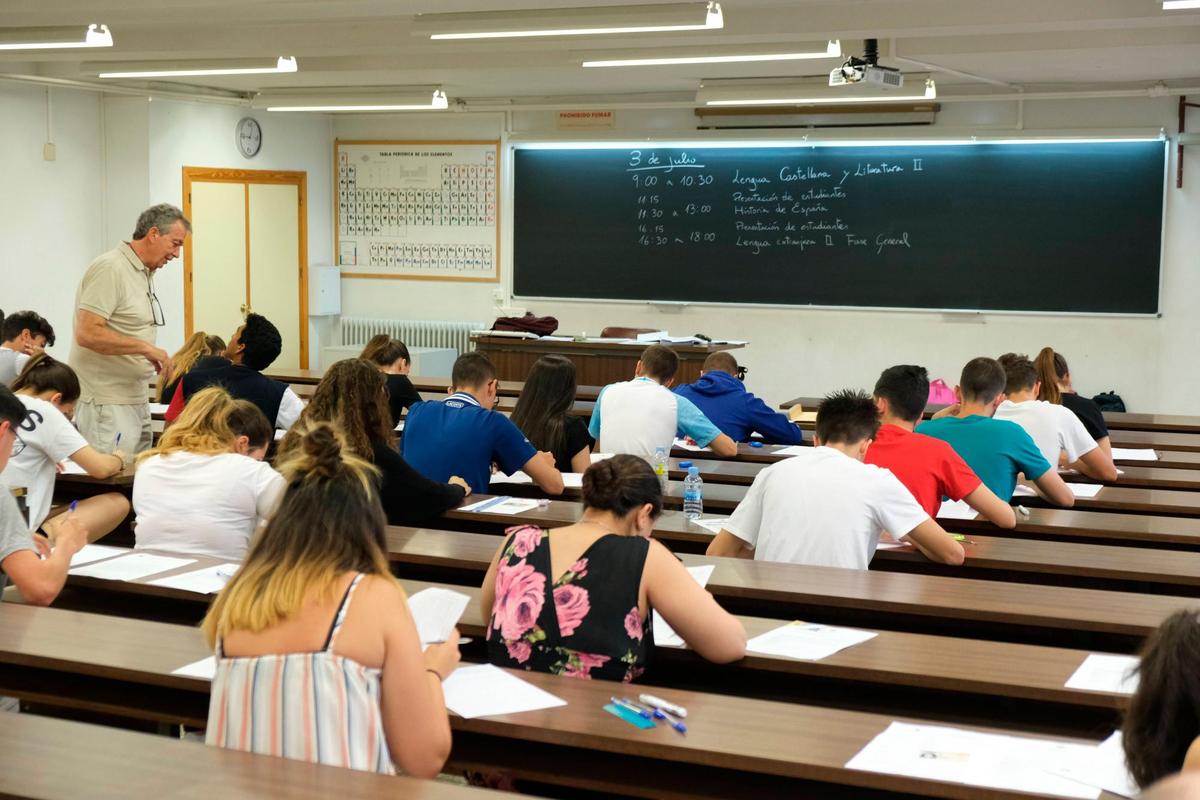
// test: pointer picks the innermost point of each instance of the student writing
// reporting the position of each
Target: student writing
(825, 507)
(393, 360)
(576, 600)
(1055, 377)
(543, 414)
(722, 397)
(199, 351)
(315, 611)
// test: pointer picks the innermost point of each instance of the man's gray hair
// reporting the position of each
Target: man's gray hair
(161, 216)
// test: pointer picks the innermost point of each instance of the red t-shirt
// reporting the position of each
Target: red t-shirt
(928, 467)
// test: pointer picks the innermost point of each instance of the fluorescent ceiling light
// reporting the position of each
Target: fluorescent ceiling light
(55, 38)
(179, 69)
(570, 21)
(812, 92)
(343, 102)
(726, 55)
(1177, 5)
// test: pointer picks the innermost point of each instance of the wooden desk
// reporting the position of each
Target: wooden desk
(596, 363)
(1115, 420)
(782, 750)
(52, 759)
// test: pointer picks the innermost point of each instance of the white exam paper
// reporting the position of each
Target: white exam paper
(436, 611)
(517, 477)
(279, 434)
(807, 641)
(711, 524)
(1102, 768)
(664, 634)
(95, 552)
(485, 690)
(601, 456)
(204, 668)
(1103, 672)
(791, 450)
(956, 509)
(208, 580)
(69, 467)
(653, 336)
(572, 480)
(506, 505)
(1133, 454)
(683, 444)
(953, 755)
(158, 408)
(131, 567)
(1085, 489)
(1024, 491)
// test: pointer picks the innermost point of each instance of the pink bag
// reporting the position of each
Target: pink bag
(940, 393)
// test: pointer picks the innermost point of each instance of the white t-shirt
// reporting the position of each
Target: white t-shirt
(11, 364)
(48, 438)
(290, 408)
(203, 504)
(641, 415)
(1053, 428)
(823, 508)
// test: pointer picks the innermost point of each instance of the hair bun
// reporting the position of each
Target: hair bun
(323, 449)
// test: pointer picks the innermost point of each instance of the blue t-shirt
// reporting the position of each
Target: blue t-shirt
(456, 436)
(995, 449)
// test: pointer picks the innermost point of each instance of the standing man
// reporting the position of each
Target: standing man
(116, 319)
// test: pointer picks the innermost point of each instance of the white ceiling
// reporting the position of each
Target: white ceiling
(1082, 43)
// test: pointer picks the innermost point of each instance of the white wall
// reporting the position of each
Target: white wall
(803, 352)
(51, 214)
(202, 135)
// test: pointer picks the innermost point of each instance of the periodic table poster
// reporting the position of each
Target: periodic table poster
(418, 210)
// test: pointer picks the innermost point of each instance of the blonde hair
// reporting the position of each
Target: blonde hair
(202, 428)
(197, 345)
(328, 522)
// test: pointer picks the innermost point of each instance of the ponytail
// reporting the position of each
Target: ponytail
(43, 373)
(1051, 368)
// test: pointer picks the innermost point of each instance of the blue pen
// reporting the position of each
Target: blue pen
(628, 706)
(658, 713)
(74, 503)
(117, 443)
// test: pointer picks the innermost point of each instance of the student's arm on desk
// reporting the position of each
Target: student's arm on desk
(935, 544)
(97, 464)
(729, 546)
(541, 469)
(40, 580)
(688, 608)
(724, 446)
(997, 512)
(92, 332)
(1052, 487)
(1097, 464)
(581, 460)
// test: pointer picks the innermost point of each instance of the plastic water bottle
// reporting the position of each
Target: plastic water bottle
(693, 494)
(660, 467)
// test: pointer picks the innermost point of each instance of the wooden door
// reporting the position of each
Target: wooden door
(247, 252)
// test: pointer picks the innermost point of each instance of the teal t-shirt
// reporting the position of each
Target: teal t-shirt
(995, 449)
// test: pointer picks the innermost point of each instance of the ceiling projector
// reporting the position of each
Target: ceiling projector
(866, 70)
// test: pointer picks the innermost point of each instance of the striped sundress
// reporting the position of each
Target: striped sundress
(315, 706)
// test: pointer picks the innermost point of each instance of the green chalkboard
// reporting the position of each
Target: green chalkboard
(1057, 227)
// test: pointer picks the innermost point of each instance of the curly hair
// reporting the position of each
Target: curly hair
(352, 396)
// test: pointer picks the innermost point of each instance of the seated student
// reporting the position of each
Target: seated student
(351, 396)
(1161, 731)
(593, 619)
(543, 414)
(722, 397)
(1055, 377)
(1054, 429)
(252, 433)
(996, 450)
(195, 493)
(199, 351)
(49, 390)
(254, 347)
(316, 606)
(928, 467)
(463, 435)
(39, 580)
(642, 415)
(391, 356)
(825, 507)
(23, 335)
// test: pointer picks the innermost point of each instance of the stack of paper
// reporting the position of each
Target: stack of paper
(209, 580)
(485, 690)
(956, 509)
(1131, 454)
(131, 567)
(664, 635)
(502, 505)
(436, 611)
(807, 641)
(953, 755)
(1102, 672)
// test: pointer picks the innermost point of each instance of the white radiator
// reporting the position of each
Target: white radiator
(414, 333)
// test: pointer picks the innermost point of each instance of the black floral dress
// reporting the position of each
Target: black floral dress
(585, 624)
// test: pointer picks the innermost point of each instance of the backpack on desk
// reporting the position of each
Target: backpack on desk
(1109, 401)
(940, 393)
